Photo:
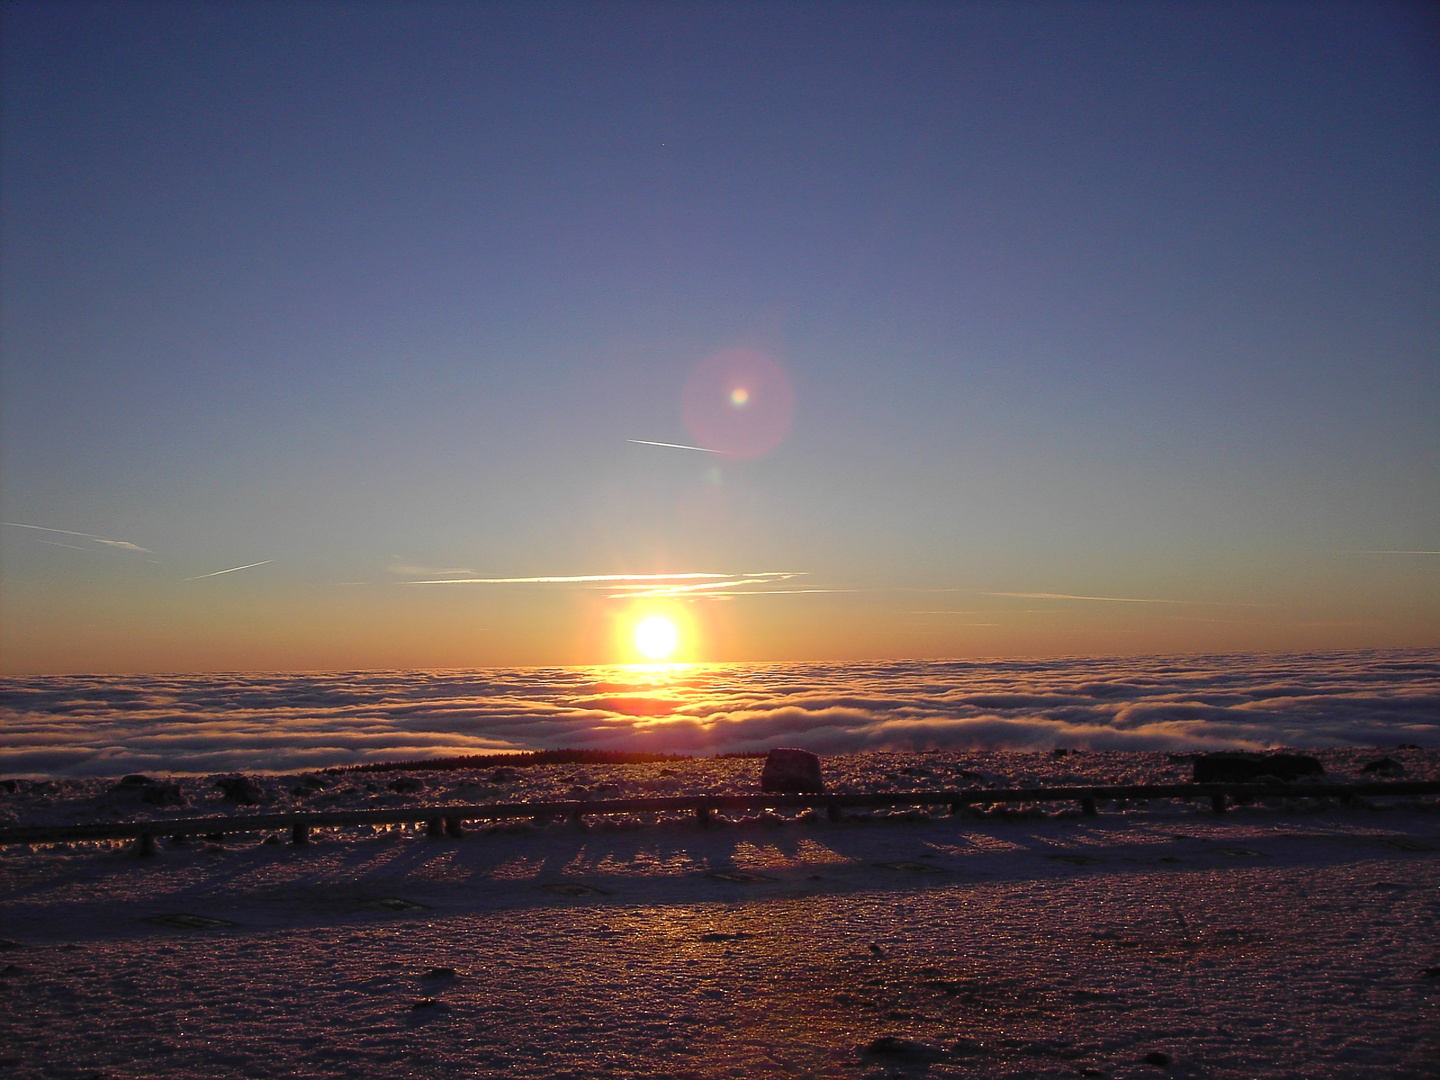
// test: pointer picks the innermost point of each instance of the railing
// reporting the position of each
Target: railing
(448, 819)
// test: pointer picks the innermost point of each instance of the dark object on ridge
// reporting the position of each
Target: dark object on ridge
(792, 771)
(1385, 766)
(158, 794)
(152, 792)
(406, 785)
(1247, 768)
(239, 789)
(893, 1048)
(1157, 1058)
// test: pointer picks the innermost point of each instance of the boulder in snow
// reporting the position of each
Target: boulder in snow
(1248, 768)
(788, 770)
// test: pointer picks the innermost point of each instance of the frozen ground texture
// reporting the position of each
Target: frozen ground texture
(69, 801)
(1288, 939)
(109, 725)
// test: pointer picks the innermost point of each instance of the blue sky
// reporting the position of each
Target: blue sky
(1123, 301)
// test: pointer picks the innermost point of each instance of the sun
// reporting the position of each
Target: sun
(656, 637)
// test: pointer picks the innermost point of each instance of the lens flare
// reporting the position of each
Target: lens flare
(739, 402)
(656, 637)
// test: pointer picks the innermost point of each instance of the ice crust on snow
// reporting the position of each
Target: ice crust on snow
(1261, 943)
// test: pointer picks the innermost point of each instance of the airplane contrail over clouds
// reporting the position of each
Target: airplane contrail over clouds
(123, 544)
(231, 570)
(677, 446)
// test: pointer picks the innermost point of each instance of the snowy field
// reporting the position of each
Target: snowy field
(1289, 938)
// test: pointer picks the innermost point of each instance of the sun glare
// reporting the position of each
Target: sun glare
(739, 396)
(656, 637)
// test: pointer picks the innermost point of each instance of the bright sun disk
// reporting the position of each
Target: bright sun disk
(656, 637)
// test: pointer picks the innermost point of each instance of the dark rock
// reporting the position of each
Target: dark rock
(1385, 766)
(1157, 1058)
(428, 1003)
(240, 789)
(135, 780)
(1250, 768)
(1429, 972)
(894, 1048)
(1090, 1070)
(504, 775)
(9, 785)
(439, 973)
(162, 795)
(406, 785)
(789, 770)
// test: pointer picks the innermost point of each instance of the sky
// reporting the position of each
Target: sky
(830, 331)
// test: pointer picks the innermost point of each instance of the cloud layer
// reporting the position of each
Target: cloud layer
(106, 725)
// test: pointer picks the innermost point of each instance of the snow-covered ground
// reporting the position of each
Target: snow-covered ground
(1283, 940)
(74, 800)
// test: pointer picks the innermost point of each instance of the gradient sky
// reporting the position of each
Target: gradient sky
(1107, 329)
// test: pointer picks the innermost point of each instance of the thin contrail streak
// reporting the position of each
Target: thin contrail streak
(562, 580)
(88, 536)
(1386, 551)
(1068, 596)
(42, 528)
(232, 570)
(676, 446)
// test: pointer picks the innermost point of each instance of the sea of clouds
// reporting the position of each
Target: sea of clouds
(112, 724)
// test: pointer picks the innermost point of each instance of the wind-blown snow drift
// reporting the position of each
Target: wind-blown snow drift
(105, 725)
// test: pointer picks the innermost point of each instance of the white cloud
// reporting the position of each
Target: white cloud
(105, 725)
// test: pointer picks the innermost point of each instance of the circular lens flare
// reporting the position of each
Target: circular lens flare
(739, 402)
(656, 637)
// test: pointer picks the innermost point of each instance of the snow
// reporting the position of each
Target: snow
(1285, 938)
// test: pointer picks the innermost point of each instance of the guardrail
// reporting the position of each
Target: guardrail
(448, 819)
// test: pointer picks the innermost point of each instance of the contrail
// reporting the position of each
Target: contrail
(42, 528)
(556, 580)
(1068, 596)
(232, 570)
(1389, 552)
(88, 536)
(677, 446)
